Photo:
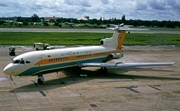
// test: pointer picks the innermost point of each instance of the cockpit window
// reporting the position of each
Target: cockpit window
(16, 61)
(22, 62)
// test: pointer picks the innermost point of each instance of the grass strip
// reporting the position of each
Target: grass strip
(84, 38)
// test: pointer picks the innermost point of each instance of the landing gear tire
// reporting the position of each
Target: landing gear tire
(78, 69)
(40, 79)
(103, 70)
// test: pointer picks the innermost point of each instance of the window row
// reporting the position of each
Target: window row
(97, 54)
(58, 59)
(81, 56)
(75, 53)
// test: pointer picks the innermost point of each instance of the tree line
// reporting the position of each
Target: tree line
(71, 21)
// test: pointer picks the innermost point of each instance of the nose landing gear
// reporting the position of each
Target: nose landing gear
(40, 79)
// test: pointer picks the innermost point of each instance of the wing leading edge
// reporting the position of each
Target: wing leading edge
(121, 64)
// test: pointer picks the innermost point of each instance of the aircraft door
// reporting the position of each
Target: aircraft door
(43, 59)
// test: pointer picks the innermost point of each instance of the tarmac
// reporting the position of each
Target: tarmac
(124, 89)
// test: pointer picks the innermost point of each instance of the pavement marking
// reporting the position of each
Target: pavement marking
(76, 86)
(89, 101)
(122, 84)
(14, 91)
(131, 88)
(36, 84)
(154, 86)
(42, 92)
(11, 78)
(93, 105)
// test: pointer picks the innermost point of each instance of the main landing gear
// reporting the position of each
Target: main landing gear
(103, 70)
(40, 79)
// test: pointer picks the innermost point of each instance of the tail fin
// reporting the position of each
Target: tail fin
(121, 37)
(117, 40)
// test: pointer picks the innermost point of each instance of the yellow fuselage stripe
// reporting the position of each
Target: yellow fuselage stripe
(73, 58)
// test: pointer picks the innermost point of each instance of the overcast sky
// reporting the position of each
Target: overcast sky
(132, 9)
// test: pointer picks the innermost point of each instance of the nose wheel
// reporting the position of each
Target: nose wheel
(40, 79)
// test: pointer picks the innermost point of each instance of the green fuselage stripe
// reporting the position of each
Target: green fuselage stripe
(53, 67)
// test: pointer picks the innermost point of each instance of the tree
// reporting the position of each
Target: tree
(25, 22)
(60, 25)
(2, 22)
(18, 19)
(56, 24)
(123, 19)
(35, 18)
(45, 24)
(59, 20)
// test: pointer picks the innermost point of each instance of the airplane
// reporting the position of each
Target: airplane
(42, 62)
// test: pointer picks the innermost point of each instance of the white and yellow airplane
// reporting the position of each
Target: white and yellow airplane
(46, 61)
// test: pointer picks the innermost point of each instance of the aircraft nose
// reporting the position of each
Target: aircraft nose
(8, 70)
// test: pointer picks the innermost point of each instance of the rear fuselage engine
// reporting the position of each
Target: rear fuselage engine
(115, 55)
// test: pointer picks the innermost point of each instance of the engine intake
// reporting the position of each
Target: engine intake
(102, 42)
(105, 42)
(115, 55)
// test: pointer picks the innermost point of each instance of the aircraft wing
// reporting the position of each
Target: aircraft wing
(121, 64)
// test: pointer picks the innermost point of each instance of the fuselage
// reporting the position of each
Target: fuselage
(41, 62)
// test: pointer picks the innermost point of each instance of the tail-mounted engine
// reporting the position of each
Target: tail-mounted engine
(115, 55)
(105, 42)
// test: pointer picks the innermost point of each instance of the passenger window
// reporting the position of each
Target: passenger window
(27, 62)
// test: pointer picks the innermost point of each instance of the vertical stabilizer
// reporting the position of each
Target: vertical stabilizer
(121, 37)
(117, 40)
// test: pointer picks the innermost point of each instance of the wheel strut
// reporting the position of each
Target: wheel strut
(40, 79)
(103, 70)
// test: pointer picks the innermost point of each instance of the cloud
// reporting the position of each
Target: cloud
(83, 3)
(3, 5)
(105, 1)
(157, 4)
(133, 9)
(143, 5)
